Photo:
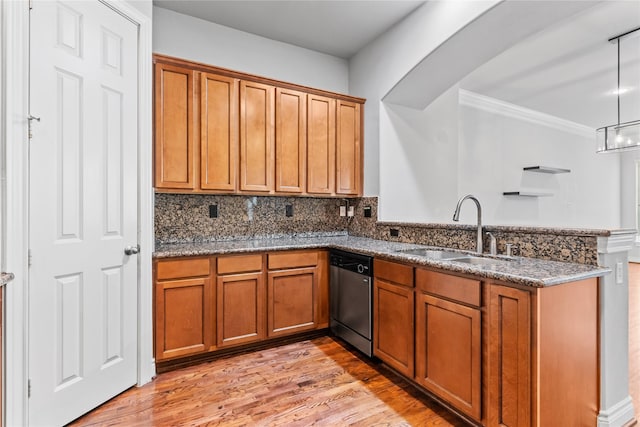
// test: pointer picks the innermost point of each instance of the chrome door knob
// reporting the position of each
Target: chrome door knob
(132, 250)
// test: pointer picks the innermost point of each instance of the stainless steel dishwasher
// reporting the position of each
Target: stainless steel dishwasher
(351, 296)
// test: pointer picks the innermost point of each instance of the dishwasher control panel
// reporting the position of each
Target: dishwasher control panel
(357, 263)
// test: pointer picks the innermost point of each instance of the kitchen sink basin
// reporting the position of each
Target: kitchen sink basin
(475, 260)
(433, 253)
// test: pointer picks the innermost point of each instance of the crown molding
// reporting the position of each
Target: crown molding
(506, 109)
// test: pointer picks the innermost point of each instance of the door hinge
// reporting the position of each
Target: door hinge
(29, 257)
(30, 4)
(31, 119)
(29, 388)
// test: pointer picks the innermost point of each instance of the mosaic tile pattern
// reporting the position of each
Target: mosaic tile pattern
(185, 217)
(567, 245)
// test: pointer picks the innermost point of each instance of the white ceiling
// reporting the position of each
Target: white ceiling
(570, 69)
(338, 28)
(567, 70)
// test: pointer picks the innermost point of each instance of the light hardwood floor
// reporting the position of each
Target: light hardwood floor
(311, 383)
(634, 335)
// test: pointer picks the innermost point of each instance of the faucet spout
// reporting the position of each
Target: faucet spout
(456, 217)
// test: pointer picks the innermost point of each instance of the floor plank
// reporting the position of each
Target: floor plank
(634, 335)
(311, 383)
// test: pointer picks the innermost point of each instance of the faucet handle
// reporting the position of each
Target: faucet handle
(510, 248)
(493, 244)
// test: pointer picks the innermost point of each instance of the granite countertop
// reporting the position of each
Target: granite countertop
(519, 270)
(5, 278)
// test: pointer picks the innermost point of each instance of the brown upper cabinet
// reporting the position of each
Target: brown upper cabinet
(321, 145)
(256, 137)
(218, 132)
(348, 152)
(174, 127)
(221, 131)
(291, 141)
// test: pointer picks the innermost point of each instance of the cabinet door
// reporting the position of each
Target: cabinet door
(218, 132)
(393, 325)
(509, 357)
(323, 289)
(348, 149)
(240, 309)
(291, 141)
(183, 317)
(321, 145)
(256, 137)
(292, 301)
(448, 352)
(174, 127)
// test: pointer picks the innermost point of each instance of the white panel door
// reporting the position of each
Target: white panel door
(83, 209)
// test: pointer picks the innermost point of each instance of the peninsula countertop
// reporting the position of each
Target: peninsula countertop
(519, 270)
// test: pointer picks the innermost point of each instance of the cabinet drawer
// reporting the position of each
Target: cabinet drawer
(278, 261)
(393, 272)
(183, 268)
(239, 264)
(466, 291)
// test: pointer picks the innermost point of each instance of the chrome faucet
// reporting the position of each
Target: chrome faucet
(456, 217)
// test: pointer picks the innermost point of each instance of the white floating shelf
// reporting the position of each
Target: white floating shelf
(526, 194)
(546, 169)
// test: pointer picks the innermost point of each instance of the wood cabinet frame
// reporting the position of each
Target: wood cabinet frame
(334, 170)
(291, 141)
(298, 311)
(184, 307)
(244, 312)
(175, 120)
(218, 132)
(463, 392)
(394, 343)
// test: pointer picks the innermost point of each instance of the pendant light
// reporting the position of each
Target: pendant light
(621, 136)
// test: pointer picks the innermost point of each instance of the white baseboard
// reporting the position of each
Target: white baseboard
(618, 415)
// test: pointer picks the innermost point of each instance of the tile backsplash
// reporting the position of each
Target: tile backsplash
(186, 218)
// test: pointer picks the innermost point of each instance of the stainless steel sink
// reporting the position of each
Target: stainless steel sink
(474, 260)
(433, 253)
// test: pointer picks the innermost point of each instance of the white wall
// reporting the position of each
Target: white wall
(494, 150)
(420, 153)
(191, 38)
(144, 6)
(375, 69)
(434, 156)
(630, 196)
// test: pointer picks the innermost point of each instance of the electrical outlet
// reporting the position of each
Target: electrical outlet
(367, 211)
(394, 232)
(343, 210)
(619, 273)
(350, 211)
(288, 210)
(213, 211)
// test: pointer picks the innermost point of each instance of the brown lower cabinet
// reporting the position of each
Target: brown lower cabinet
(393, 300)
(203, 304)
(1, 350)
(240, 300)
(510, 357)
(183, 307)
(500, 354)
(292, 293)
(448, 339)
